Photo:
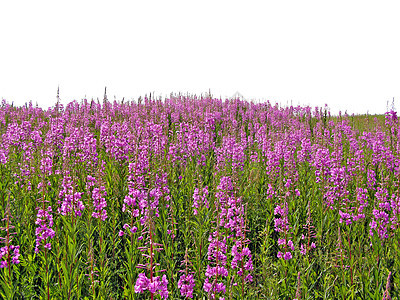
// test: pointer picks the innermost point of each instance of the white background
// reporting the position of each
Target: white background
(343, 53)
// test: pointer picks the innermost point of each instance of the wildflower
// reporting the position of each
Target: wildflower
(287, 256)
(9, 252)
(44, 230)
(186, 285)
(99, 203)
(154, 286)
(5, 251)
(70, 200)
(186, 281)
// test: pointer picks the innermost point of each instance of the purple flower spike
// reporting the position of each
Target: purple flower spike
(44, 231)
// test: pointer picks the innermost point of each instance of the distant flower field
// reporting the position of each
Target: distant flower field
(198, 198)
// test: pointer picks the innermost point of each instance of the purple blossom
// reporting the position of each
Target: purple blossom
(71, 200)
(4, 252)
(44, 231)
(200, 199)
(9, 252)
(99, 203)
(186, 285)
(217, 256)
(287, 256)
(381, 221)
(155, 286)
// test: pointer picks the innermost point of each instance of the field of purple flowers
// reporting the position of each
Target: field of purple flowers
(198, 198)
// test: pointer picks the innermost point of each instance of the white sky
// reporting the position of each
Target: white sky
(343, 53)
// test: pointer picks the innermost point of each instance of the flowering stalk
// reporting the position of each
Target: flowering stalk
(186, 281)
(237, 222)
(282, 226)
(298, 291)
(305, 248)
(386, 294)
(71, 201)
(44, 231)
(44, 220)
(92, 270)
(90, 183)
(217, 257)
(97, 193)
(70, 208)
(130, 205)
(200, 199)
(154, 284)
(216, 269)
(9, 254)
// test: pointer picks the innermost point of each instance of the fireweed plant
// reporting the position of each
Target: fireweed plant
(199, 198)
(9, 253)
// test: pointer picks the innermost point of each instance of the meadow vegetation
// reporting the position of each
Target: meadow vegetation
(195, 197)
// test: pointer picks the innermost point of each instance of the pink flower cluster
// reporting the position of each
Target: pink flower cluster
(231, 209)
(155, 286)
(186, 285)
(4, 252)
(216, 255)
(127, 227)
(71, 200)
(99, 203)
(239, 254)
(200, 199)
(305, 248)
(282, 226)
(381, 214)
(9, 252)
(45, 221)
(98, 195)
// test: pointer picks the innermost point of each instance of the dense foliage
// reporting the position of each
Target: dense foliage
(197, 198)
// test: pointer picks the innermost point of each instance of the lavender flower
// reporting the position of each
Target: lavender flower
(71, 200)
(239, 260)
(44, 231)
(186, 285)
(99, 203)
(199, 200)
(13, 251)
(155, 286)
(8, 253)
